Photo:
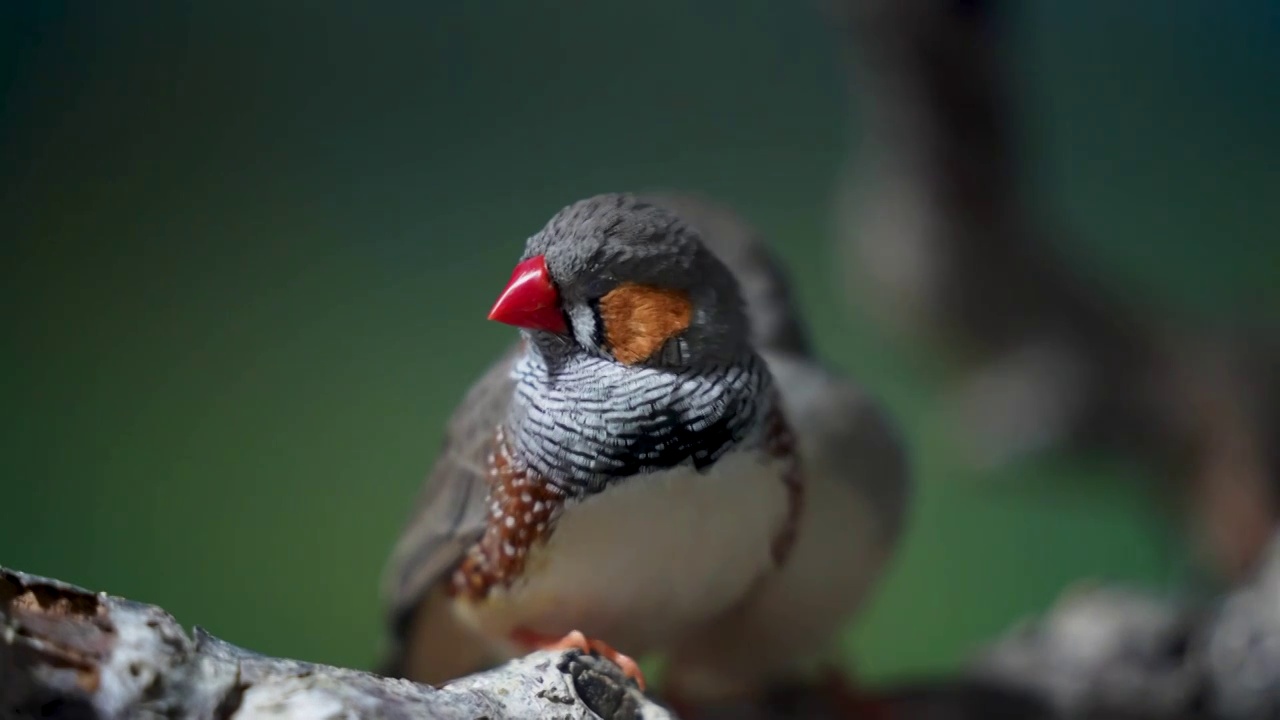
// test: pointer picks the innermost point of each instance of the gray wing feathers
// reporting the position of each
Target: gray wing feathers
(775, 322)
(847, 434)
(857, 492)
(449, 515)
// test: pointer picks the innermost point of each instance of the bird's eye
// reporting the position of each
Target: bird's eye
(599, 287)
(672, 352)
(597, 322)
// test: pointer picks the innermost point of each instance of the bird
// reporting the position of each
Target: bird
(659, 464)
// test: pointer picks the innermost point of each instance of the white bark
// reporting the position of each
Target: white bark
(69, 652)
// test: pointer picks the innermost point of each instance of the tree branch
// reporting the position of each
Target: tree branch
(68, 652)
(1118, 653)
(1104, 654)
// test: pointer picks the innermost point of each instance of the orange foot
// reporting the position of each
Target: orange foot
(577, 641)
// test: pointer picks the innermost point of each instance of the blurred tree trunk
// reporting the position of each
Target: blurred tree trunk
(942, 242)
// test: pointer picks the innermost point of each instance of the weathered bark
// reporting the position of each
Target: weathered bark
(68, 652)
(1112, 652)
(1106, 654)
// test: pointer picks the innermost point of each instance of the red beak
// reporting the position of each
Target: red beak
(530, 301)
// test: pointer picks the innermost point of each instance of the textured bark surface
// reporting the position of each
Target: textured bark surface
(1102, 654)
(1113, 652)
(68, 652)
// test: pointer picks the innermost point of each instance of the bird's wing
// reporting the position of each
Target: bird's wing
(449, 515)
(775, 322)
(856, 498)
(846, 437)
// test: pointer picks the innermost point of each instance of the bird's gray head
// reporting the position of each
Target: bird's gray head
(623, 279)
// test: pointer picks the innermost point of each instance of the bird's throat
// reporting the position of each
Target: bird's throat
(588, 422)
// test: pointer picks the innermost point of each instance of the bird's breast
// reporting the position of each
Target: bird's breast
(594, 422)
(646, 557)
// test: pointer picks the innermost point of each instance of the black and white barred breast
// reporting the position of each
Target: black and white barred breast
(592, 422)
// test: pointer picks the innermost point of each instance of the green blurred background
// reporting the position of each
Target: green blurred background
(248, 249)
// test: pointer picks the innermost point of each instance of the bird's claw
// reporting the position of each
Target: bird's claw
(575, 640)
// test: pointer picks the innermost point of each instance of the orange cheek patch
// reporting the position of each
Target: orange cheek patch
(638, 319)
